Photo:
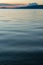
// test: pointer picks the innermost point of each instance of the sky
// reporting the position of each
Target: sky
(21, 1)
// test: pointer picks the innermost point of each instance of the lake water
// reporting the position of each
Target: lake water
(21, 37)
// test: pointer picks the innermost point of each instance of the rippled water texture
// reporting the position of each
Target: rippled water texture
(21, 37)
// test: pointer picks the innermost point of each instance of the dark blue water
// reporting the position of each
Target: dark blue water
(21, 37)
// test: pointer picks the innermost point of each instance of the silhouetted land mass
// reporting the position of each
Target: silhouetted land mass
(30, 6)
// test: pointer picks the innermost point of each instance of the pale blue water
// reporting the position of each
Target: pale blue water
(21, 37)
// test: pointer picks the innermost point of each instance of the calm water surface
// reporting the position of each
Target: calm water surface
(21, 37)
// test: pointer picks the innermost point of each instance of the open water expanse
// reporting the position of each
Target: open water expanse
(21, 37)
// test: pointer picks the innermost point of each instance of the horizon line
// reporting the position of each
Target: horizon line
(21, 3)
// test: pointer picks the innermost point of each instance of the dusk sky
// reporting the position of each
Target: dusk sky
(21, 1)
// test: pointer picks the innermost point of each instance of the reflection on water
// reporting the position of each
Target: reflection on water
(21, 37)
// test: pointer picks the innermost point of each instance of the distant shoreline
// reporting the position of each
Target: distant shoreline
(23, 7)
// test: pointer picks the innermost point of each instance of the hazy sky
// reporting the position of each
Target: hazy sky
(21, 1)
